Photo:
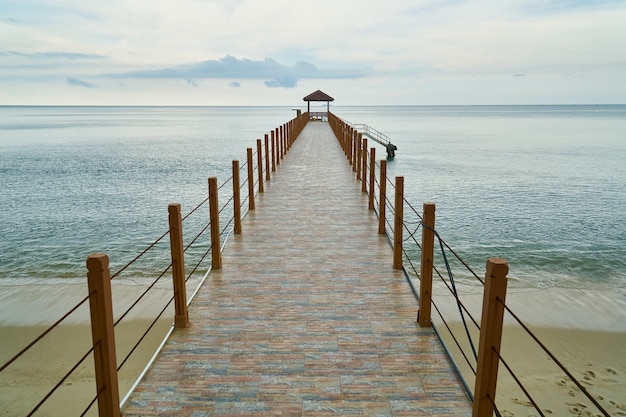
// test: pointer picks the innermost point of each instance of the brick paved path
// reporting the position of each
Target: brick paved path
(307, 316)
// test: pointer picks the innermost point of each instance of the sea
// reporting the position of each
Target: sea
(541, 186)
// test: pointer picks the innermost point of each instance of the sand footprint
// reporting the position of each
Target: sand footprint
(521, 402)
(589, 375)
(611, 371)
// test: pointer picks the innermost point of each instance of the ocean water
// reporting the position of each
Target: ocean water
(542, 186)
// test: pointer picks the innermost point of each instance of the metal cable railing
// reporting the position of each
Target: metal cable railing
(445, 257)
(223, 231)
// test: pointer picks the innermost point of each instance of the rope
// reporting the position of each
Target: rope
(53, 390)
(460, 259)
(93, 401)
(145, 334)
(451, 277)
(411, 235)
(493, 405)
(142, 295)
(196, 208)
(225, 182)
(198, 264)
(197, 236)
(42, 335)
(458, 344)
(558, 363)
(226, 204)
(519, 383)
(412, 208)
(153, 244)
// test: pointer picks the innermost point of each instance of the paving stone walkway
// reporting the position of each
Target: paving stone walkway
(307, 316)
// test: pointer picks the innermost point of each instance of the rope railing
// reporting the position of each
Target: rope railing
(281, 142)
(353, 146)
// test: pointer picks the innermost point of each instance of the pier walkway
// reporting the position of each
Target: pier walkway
(307, 316)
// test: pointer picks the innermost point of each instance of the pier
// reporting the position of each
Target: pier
(309, 305)
(307, 315)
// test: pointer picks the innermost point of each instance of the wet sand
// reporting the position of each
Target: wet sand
(585, 330)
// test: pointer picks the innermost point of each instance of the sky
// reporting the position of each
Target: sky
(275, 52)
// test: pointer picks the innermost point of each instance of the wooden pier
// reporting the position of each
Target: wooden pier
(307, 315)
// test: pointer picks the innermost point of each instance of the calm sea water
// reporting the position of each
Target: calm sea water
(542, 186)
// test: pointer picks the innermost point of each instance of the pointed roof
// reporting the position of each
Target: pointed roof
(318, 96)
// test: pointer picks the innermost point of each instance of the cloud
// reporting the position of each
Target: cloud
(51, 55)
(276, 75)
(80, 83)
(284, 82)
(235, 84)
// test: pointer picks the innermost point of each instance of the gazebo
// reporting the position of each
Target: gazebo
(318, 96)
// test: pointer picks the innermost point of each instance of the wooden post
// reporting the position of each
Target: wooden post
(372, 177)
(383, 197)
(490, 337)
(103, 335)
(282, 141)
(250, 181)
(236, 198)
(355, 149)
(273, 151)
(214, 208)
(278, 157)
(364, 167)
(426, 272)
(267, 158)
(359, 155)
(259, 163)
(398, 224)
(350, 145)
(181, 317)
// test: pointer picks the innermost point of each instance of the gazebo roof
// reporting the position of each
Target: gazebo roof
(318, 96)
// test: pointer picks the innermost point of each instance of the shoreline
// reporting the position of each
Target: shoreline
(588, 339)
(585, 329)
(26, 381)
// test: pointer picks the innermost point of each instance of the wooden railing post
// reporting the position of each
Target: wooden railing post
(102, 333)
(289, 134)
(273, 151)
(236, 198)
(216, 252)
(426, 271)
(490, 337)
(181, 317)
(364, 167)
(372, 177)
(282, 141)
(355, 150)
(350, 145)
(359, 155)
(398, 223)
(382, 198)
(259, 164)
(250, 180)
(267, 158)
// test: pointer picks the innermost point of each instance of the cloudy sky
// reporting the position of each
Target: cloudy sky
(274, 52)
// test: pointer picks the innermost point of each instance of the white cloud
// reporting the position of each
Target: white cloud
(403, 49)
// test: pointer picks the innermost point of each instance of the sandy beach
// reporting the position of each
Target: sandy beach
(585, 329)
(27, 309)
